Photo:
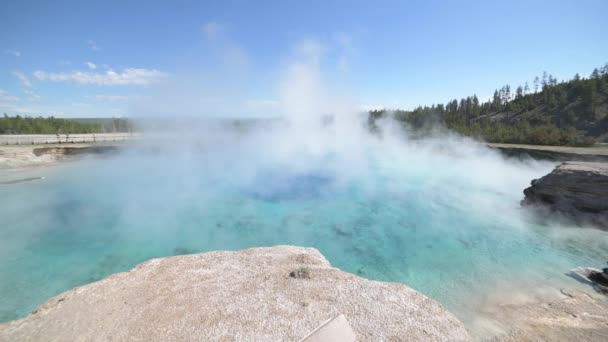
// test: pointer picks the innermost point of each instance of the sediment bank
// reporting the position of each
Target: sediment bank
(28, 156)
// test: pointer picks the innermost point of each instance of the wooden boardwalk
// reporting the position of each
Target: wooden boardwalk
(43, 139)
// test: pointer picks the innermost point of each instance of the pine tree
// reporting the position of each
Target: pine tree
(519, 93)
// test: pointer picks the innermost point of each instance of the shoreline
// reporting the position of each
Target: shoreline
(597, 153)
(16, 158)
(598, 149)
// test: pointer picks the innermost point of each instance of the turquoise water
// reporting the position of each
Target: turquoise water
(445, 222)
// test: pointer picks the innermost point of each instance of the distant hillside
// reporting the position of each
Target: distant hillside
(573, 112)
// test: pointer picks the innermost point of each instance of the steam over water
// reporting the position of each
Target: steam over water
(441, 215)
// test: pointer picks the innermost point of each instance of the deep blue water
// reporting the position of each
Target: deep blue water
(448, 225)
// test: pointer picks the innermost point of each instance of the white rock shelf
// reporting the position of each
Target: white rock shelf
(245, 295)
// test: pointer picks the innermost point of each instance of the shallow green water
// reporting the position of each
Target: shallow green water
(446, 224)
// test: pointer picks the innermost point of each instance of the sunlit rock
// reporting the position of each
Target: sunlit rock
(247, 295)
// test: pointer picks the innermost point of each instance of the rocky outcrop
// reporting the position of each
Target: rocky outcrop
(574, 190)
(249, 295)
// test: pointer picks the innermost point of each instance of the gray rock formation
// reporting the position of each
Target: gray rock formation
(247, 295)
(575, 190)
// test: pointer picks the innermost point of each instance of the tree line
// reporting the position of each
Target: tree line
(51, 125)
(572, 112)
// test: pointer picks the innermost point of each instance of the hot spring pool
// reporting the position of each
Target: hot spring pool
(446, 223)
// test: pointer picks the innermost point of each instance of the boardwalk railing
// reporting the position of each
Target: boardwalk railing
(41, 139)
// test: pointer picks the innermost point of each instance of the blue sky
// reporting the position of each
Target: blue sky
(88, 59)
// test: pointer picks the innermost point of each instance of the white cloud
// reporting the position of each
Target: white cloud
(33, 111)
(13, 52)
(12, 104)
(92, 45)
(6, 97)
(32, 97)
(91, 65)
(25, 81)
(130, 76)
(25, 105)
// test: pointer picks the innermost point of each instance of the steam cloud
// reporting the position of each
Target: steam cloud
(387, 205)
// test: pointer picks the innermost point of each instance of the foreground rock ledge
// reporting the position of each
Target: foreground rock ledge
(575, 190)
(245, 295)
